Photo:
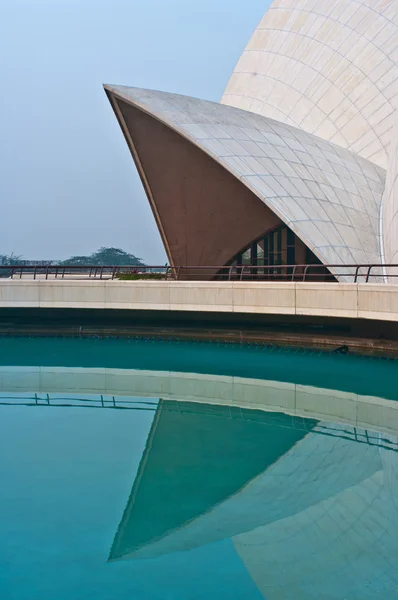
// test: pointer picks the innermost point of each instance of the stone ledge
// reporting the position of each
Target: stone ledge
(365, 301)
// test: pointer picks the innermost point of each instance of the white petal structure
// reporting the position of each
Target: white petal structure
(298, 147)
(327, 67)
(389, 224)
(329, 197)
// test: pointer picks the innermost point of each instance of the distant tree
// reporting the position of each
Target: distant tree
(115, 256)
(10, 260)
(106, 257)
(78, 261)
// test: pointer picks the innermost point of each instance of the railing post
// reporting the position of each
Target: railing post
(368, 275)
(241, 273)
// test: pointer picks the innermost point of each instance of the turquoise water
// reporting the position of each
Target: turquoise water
(156, 470)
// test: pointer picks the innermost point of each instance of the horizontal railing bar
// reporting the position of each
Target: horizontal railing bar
(164, 267)
(357, 272)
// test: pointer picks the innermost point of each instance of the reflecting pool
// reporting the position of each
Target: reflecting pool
(179, 471)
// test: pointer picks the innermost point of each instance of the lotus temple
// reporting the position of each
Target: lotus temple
(298, 162)
(168, 437)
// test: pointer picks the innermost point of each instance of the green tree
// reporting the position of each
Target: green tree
(78, 261)
(106, 257)
(10, 260)
(102, 257)
(115, 256)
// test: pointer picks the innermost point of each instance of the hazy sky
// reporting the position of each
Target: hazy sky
(67, 181)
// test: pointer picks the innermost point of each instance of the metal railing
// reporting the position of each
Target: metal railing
(312, 272)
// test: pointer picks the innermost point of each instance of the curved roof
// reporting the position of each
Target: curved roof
(328, 196)
(326, 66)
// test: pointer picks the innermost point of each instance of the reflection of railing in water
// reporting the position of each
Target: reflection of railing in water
(350, 432)
(346, 432)
(354, 434)
(76, 402)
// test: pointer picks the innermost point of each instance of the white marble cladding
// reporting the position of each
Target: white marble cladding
(328, 67)
(389, 223)
(328, 196)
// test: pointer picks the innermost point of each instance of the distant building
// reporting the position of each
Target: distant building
(296, 164)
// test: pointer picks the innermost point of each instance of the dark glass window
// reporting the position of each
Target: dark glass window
(274, 257)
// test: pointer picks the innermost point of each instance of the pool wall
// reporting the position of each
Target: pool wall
(345, 317)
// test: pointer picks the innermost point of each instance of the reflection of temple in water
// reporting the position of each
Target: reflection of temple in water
(197, 456)
(309, 505)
